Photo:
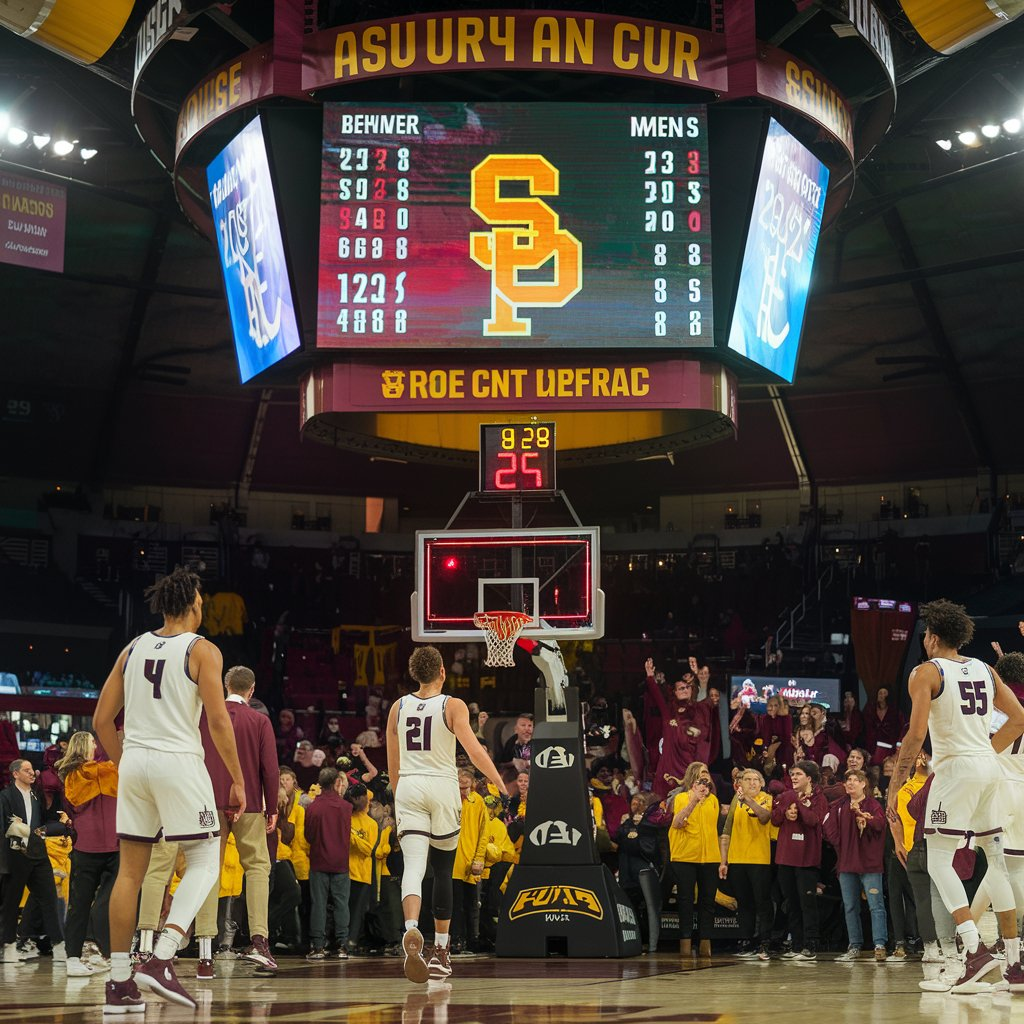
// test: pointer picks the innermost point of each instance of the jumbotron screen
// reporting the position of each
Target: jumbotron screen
(514, 225)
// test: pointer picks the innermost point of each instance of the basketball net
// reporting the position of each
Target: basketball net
(501, 631)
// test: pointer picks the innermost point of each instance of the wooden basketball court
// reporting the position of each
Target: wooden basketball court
(486, 990)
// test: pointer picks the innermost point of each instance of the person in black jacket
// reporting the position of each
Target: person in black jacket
(25, 823)
(638, 842)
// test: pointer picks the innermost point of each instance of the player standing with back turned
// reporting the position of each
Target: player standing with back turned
(953, 698)
(164, 679)
(423, 728)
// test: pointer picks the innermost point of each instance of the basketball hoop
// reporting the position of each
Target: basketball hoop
(501, 631)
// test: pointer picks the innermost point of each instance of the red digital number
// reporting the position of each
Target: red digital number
(381, 157)
(519, 473)
(507, 474)
(531, 471)
(693, 220)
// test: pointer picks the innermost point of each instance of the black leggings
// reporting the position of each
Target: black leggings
(92, 878)
(752, 887)
(705, 877)
(466, 920)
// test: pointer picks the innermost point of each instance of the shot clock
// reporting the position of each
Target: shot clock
(517, 457)
(514, 226)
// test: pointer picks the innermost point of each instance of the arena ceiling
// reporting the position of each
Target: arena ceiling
(911, 365)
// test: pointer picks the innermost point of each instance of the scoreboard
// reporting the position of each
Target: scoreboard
(514, 226)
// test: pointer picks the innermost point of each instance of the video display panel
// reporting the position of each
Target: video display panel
(514, 225)
(782, 238)
(753, 691)
(252, 255)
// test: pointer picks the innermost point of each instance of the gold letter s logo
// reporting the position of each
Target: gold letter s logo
(505, 251)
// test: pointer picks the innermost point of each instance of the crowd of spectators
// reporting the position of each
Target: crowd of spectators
(782, 824)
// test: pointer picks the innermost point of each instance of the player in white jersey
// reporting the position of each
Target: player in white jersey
(1010, 668)
(423, 728)
(163, 680)
(953, 700)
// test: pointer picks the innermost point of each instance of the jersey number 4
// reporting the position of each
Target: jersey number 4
(417, 733)
(153, 670)
(975, 697)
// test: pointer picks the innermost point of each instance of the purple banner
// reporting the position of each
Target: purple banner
(32, 218)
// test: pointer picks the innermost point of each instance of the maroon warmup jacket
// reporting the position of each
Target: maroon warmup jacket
(328, 829)
(860, 853)
(257, 754)
(799, 843)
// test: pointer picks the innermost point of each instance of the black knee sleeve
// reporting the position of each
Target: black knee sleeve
(441, 863)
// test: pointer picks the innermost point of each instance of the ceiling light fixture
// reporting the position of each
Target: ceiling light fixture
(41, 141)
(944, 144)
(968, 138)
(990, 131)
(16, 136)
(1011, 125)
(87, 154)
(62, 147)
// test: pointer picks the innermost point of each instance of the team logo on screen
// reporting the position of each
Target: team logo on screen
(548, 899)
(530, 238)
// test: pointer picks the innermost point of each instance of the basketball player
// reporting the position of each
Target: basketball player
(1011, 670)
(423, 728)
(953, 699)
(163, 680)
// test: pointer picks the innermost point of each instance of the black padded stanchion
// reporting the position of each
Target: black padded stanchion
(560, 899)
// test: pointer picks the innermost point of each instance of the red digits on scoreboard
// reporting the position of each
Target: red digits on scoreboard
(378, 218)
(508, 474)
(693, 161)
(532, 471)
(379, 188)
(505, 479)
(344, 217)
(380, 157)
(693, 220)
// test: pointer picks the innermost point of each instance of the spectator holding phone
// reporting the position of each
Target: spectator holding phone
(694, 851)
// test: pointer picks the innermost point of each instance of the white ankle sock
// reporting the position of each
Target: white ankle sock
(410, 923)
(1012, 951)
(441, 940)
(968, 931)
(167, 945)
(120, 967)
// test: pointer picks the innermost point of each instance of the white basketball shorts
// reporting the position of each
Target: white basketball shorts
(431, 806)
(967, 795)
(163, 792)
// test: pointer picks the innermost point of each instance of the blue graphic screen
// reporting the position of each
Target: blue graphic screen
(252, 258)
(775, 276)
